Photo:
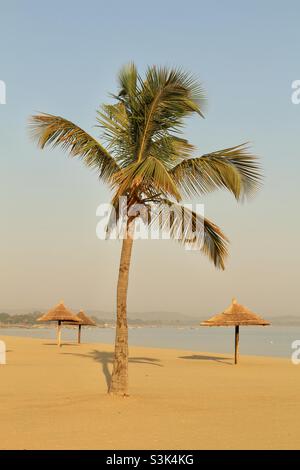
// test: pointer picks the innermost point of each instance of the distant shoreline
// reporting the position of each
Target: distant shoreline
(106, 319)
(139, 324)
(106, 325)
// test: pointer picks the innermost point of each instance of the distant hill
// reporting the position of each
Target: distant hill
(11, 318)
(101, 317)
(148, 317)
(27, 319)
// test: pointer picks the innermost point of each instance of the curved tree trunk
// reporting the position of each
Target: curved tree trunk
(119, 378)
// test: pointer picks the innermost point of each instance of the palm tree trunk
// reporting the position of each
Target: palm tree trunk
(119, 378)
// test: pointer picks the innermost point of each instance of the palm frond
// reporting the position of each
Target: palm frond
(128, 80)
(170, 150)
(116, 132)
(233, 168)
(149, 174)
(157, 104)
(167, 96)
(191, 229)
(57, 131)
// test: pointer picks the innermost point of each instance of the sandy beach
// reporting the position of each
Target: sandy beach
(52, 399)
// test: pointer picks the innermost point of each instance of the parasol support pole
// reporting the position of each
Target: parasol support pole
(236, 343)
(79, 334)
(59, 333)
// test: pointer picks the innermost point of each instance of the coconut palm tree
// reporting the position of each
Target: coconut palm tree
(144, 158)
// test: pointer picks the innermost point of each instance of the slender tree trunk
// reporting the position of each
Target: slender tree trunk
(119, 378)
(59, 333)
(236, 345)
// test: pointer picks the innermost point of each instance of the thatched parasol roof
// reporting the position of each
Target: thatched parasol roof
(235, 315)
(82, 319)
(60, 313)
(85, 320)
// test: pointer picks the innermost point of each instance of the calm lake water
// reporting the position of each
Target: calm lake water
(262, 341)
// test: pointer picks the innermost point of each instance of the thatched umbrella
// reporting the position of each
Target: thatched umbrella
(61, 314)
(235, 315)
(85, 321)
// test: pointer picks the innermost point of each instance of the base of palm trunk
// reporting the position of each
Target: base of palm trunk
(119, 378)
(118, 394)
(117, 390)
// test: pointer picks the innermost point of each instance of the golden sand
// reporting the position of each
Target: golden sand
(52, 399)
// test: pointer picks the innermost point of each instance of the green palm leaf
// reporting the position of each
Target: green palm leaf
(56, 131)
(145, 175)
(233, 168)
(156, 106)
(191, 229)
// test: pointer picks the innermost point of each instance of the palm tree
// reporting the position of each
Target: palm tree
(144, 158)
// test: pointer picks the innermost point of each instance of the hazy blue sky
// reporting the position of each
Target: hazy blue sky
(62, 57)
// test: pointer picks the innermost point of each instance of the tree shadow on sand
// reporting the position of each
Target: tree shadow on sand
(106, 359)
(202, 357)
